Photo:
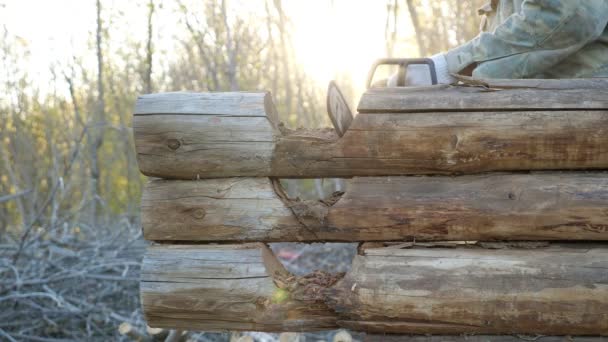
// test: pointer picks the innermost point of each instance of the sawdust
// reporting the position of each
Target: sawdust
(310, 287)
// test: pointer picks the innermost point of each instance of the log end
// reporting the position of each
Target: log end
(195, 135)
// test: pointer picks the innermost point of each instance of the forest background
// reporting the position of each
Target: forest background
(70, 72)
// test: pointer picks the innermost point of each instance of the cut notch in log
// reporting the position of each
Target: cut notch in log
(536, 206)
(551, 290)
(224, 287)
(207, 142)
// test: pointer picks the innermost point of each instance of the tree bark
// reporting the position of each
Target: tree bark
(559, 290)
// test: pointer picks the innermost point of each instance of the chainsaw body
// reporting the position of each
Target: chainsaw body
(338, 110)
(403, 63)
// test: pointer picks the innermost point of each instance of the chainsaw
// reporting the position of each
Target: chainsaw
(338, 110)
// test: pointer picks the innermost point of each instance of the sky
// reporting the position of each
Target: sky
(329, 36)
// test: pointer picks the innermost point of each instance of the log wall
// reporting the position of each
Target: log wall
(220, 155)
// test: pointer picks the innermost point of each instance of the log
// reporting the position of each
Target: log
(194, 145)
(535, 206)
(559, 290)
(223, 209)
(224, 287)
(489, 95)
(543, 291)
(197, 133)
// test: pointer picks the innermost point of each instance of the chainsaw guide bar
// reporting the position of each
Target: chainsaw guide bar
(338, 110)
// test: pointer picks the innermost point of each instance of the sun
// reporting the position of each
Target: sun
(341, 39)
(337, 37)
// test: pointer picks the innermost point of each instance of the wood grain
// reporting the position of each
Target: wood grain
(197, 146)
(248, 104)
(556, 290)
(217, 210)
(501, 95)
(536, 206)
(193, 146)
(202, 131)
(219, 288)
(561, 290)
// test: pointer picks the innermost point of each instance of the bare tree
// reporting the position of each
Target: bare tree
(284, 54)
(417, 29)
(98, 122)
(210, 68)
(442, 43)
(233, 49)
(272, 51)
(149, 51)
(390, 28)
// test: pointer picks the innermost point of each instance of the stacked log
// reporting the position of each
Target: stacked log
(553, 290)
(470, 130)
(502, 160)
(535, 206)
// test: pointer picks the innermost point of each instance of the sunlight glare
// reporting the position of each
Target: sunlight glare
(338, 38)
(335, 39)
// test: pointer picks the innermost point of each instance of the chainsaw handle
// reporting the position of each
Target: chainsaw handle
(403, 64)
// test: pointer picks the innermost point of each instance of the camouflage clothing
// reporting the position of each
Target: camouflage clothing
(538, 39)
